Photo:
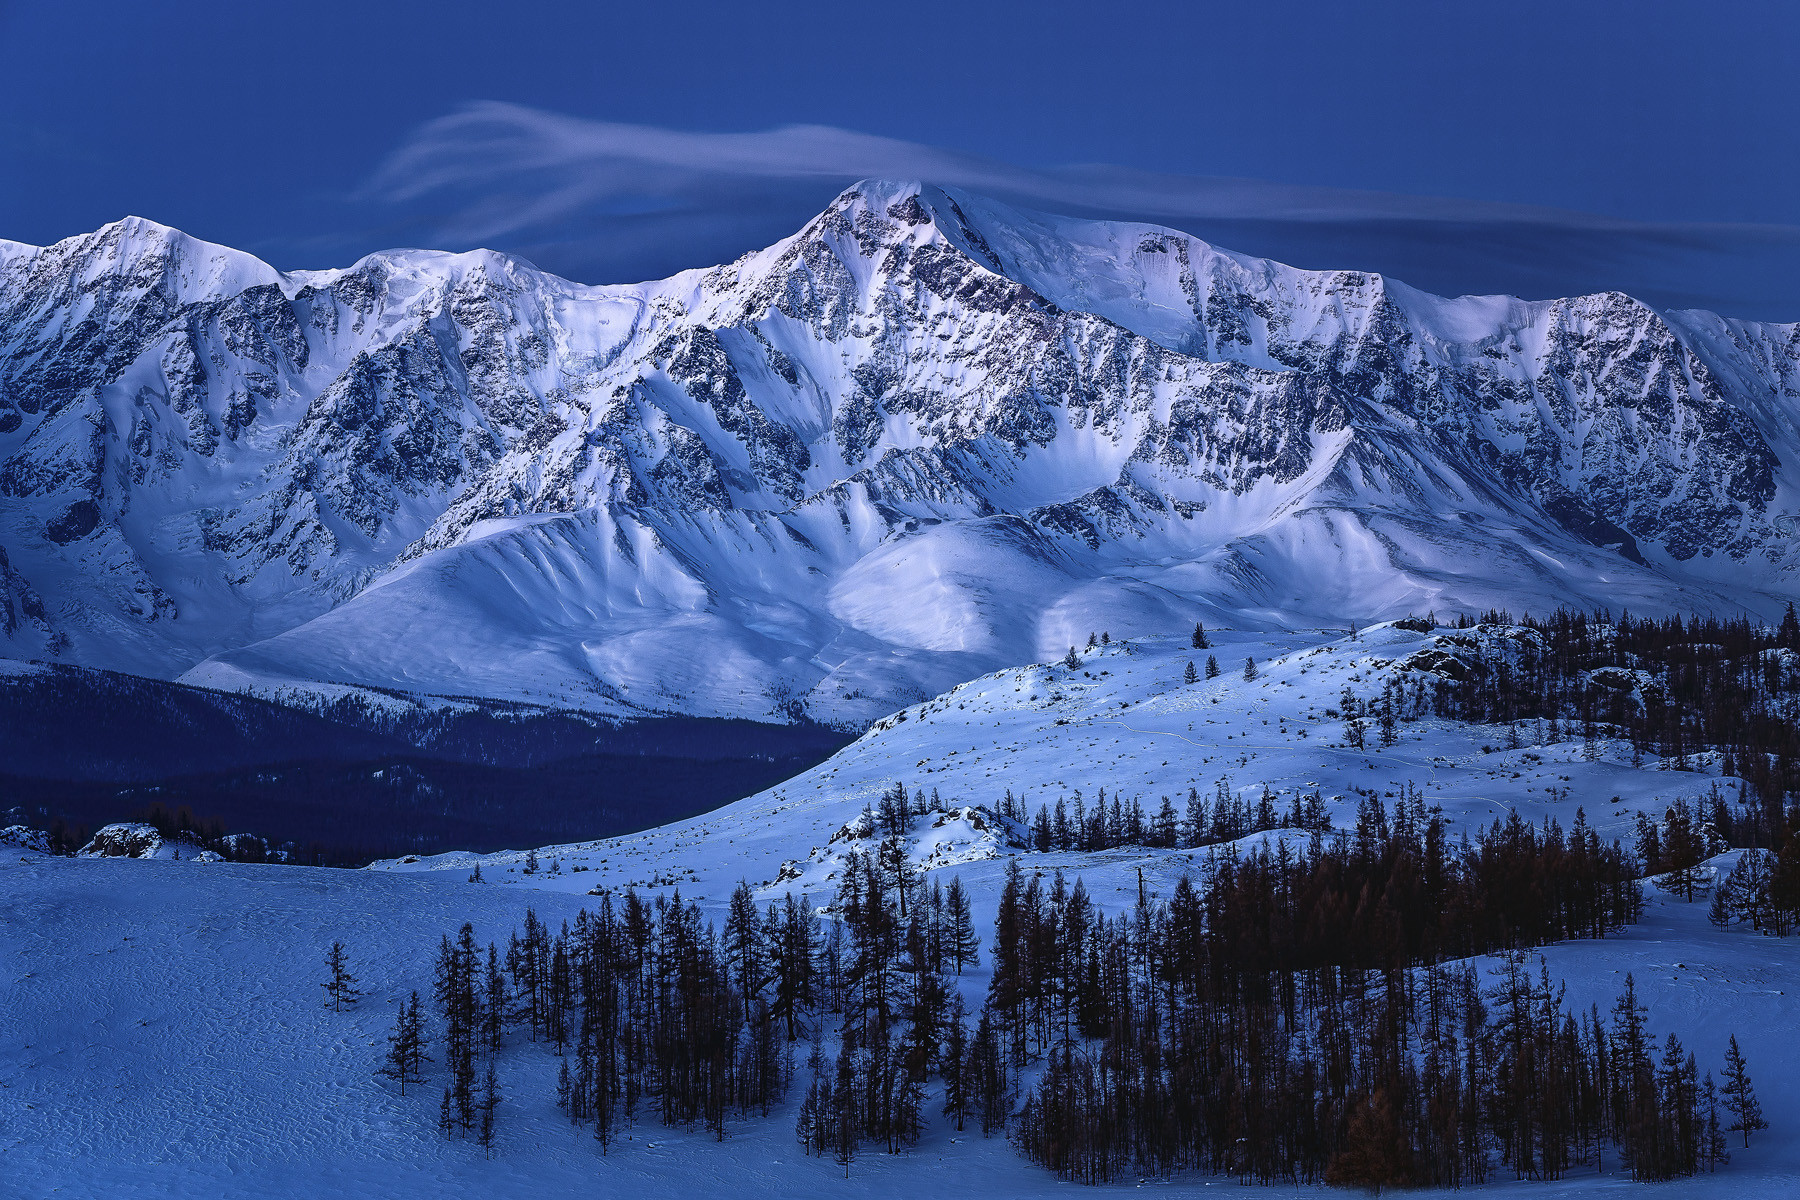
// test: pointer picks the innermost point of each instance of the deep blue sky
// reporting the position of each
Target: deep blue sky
(1663, 134)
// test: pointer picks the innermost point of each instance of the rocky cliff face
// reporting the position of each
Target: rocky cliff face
(925, 436)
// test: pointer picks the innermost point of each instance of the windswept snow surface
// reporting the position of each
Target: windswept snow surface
(166, 1035)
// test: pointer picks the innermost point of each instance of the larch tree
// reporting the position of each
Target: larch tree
(1740, 1095)
(406, 1045)
(340, 989)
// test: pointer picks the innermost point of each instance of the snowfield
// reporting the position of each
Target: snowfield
(1125, 722)
(165, 1038)
(165, 1034)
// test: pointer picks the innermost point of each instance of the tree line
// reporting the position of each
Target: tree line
(1672, 687)
(1289, 1018)
(1284, 1015)
(1069, 825)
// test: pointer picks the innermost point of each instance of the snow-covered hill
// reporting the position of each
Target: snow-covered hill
(166, 1036)
(1125, 723)
(926, 436)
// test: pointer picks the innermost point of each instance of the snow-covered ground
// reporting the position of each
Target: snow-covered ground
(165, 1035)
(1124, 721)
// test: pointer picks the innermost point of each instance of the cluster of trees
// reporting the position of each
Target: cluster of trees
(1677, 686)
(1071, 825)
(180, 825)
(1762, 889)
(900, 1019)
(1190, 675)
(1673, 848)
(1285, 1020)
(1400, 700)
(1284, 1017)
(476, 1006)
(66, 836)
(1383, 1083)
(651, 1006)
(1706, 683)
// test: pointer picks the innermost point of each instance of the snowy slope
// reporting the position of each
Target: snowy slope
(925, 436)
(1124, 721)
(176, 1003)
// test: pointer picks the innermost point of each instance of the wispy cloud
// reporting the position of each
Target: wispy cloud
(604, 200)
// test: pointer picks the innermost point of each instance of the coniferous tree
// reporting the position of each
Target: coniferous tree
(1212, 667)
(462, 1089)
(745, 951)
(1374, 1153)
(493, 1010)
(1249, 668)
(1195, 825)
(1717, 1151)
(956, 1062)
(1199, 641)
(846, 1117)
(1740, 1095)
(813, 1124)
(1682, 849)
(406, 1058)
(986, 1075)
(1189, 674)
(340, 988)
(964, 946)
(1166, 829)
(1721, 910)
(490, 1101)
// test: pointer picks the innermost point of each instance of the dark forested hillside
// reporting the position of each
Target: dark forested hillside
(1673, 687)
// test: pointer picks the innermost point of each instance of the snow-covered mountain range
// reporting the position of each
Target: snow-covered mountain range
(925, 437)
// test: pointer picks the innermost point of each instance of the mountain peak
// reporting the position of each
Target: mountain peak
(928, 434)
(143, 251)
(879, 193)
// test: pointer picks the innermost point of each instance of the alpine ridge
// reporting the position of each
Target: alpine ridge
(925, 437)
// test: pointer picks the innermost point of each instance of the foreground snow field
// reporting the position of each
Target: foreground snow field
(165, 1035)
